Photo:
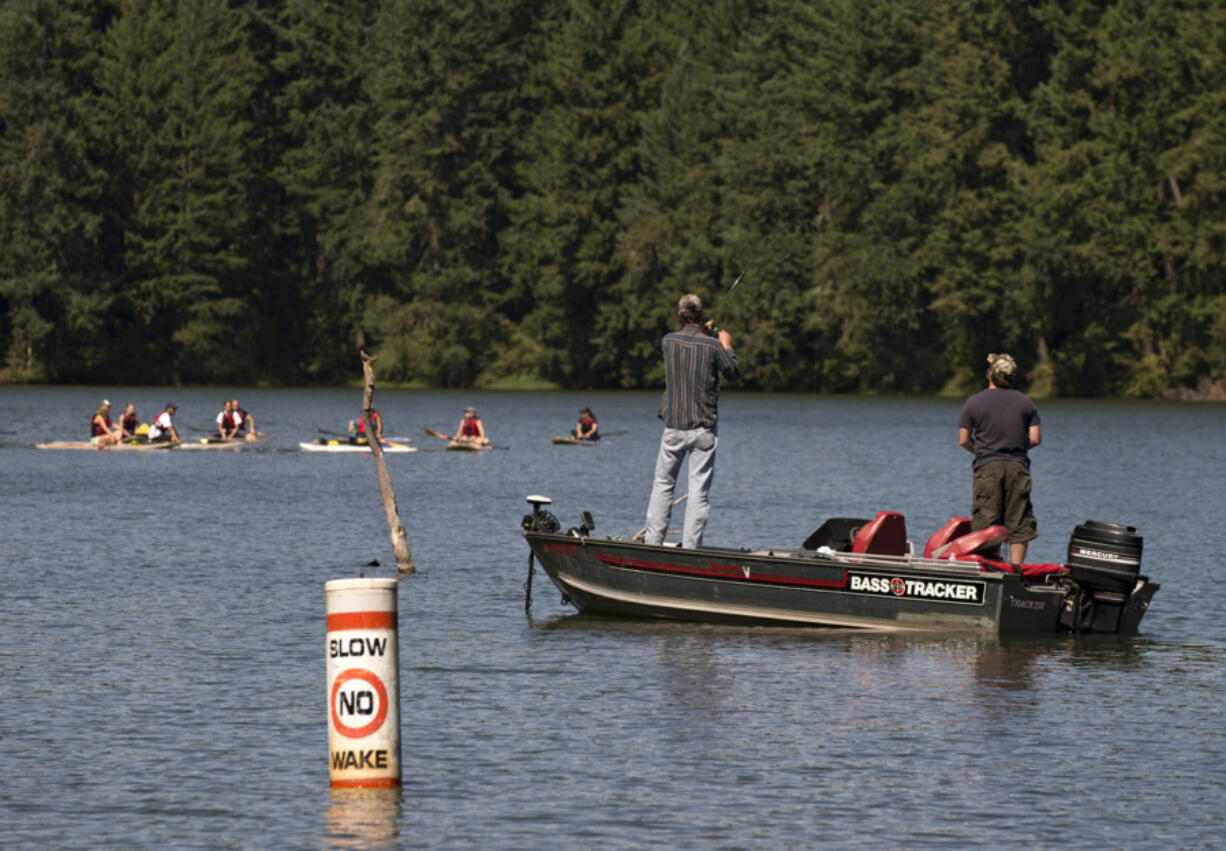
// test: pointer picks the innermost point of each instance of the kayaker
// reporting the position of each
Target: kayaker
(225, 421)
(694, 358)
(242, 420)
(129, 422)
(470, 430)
(102, 432)
(998, 426)
(357, 428)
(162, 429)
(587, 429)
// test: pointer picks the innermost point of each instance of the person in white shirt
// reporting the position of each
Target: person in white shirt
(162, 428)
(225, 422)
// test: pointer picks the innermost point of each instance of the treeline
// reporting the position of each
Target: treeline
(500, 192)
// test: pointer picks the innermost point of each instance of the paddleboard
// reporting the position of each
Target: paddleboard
(574, 441)
(214, 443)
(119, 447)
(465, 446)
(322, 445)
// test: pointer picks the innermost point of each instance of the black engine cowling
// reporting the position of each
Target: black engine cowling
(1105, 556)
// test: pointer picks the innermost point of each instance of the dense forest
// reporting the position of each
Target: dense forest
(501, 193)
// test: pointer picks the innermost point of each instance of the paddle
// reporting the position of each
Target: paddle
(266, 435)
(437, 434)
(642, 533)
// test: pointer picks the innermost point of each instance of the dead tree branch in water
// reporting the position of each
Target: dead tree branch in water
(400, 541)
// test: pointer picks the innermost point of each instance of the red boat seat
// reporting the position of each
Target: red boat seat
(985, 542)
(885, 535)
(955, 528)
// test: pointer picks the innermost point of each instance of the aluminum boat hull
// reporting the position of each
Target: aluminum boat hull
(803, 588)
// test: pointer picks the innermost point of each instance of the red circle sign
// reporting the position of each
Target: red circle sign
(898, 587)
(376, 722)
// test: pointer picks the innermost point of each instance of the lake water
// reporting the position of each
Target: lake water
(162, 638)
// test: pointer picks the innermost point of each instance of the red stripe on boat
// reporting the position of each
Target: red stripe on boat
(724, 571)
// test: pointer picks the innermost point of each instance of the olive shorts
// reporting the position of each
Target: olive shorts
(1000, 495)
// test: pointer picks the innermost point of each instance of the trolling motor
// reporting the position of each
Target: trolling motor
(540, 520)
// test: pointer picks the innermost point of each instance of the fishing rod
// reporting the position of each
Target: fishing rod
(712, 327)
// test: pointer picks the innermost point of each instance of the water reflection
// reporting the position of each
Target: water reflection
(357, 818)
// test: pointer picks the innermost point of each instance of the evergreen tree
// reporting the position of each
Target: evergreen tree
(179, 83)
(56, 283)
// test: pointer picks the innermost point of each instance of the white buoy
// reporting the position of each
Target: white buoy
(363, 683)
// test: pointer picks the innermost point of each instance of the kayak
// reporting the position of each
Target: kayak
(119, 447)
(574, 441)
(321, 444)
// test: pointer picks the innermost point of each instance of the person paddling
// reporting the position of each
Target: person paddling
(357, 428)
(225, 421)
(587, 428)
(129, 422)
(102, 432)
(162, 429)
(242, 420)
(470, 430)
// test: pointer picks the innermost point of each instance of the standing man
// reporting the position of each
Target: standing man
(693, 361)
(998, 426)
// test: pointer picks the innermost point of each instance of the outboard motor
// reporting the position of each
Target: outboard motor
(1104, 559)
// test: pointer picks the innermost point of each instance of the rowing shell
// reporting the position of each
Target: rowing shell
(321, 445)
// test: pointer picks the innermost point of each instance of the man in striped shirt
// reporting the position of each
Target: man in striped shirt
(693, 361)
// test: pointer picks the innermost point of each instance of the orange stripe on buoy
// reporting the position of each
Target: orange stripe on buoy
(375, 783)
(361, 620)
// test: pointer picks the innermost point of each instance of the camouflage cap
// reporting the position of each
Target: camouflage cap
(1002, 364)
(690, 303)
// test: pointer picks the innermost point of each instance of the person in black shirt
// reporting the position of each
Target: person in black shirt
(999, 426)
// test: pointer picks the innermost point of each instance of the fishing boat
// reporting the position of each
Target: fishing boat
(853, 573)
(125, 446)
(574, 441)
(323, 444)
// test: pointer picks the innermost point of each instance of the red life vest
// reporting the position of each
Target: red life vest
(130, 423)
(374, 423)
(227, 421)
(153, 425)
(94, 430)
(469, 427)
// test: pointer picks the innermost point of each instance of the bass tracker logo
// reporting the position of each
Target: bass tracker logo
(945, 590)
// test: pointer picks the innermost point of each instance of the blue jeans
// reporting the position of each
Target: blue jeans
(699, 444)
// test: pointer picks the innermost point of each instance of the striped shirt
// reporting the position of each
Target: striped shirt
(693, 361)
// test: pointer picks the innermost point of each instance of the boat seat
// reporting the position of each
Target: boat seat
(885, 535)
(985, 542)
(836, 533)
(956, 527)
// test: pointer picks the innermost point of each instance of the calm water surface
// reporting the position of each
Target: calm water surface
(162, 638)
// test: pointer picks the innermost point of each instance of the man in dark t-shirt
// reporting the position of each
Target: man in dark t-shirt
(998, 426)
